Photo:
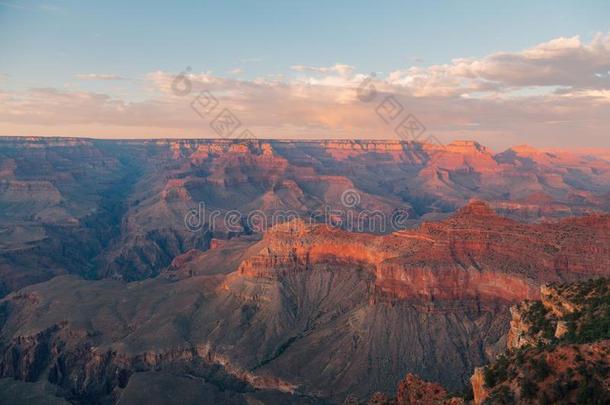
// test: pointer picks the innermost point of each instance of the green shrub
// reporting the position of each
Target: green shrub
(591, 392)
(541, 368)
(536, 315)
(496, 373)
(528, 388)
(502, 396)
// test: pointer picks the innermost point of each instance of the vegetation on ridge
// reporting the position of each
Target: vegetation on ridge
(567, 358)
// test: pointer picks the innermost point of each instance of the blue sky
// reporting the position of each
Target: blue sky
(54, 44)
(47, 43)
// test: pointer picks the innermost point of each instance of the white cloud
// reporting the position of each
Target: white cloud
(99, 76)
(562, 61)
(337, 68)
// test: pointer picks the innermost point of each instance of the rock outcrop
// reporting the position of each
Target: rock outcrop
(558, 350)
(414, 391)
(473, 255)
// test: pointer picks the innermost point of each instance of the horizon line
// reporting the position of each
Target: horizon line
(297, 140)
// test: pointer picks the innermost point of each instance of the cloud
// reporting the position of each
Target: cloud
(236, 71)
(563, 62)
(99, 76)
(337, 68)
(555, 93)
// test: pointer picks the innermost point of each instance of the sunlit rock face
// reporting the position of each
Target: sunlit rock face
(473, 255)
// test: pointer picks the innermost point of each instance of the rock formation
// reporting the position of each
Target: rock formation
(110, 297)
(558, 350)
(312, 307)
(117, 208)
(414, 391)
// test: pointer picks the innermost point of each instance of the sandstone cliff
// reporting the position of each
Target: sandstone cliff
(473, 255)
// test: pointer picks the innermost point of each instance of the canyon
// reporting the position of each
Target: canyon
(309, 312)
(110, 297)
(100, 208)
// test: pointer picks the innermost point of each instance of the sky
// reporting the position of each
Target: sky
(502, 73)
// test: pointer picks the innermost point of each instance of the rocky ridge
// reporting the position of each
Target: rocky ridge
(558, 350)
